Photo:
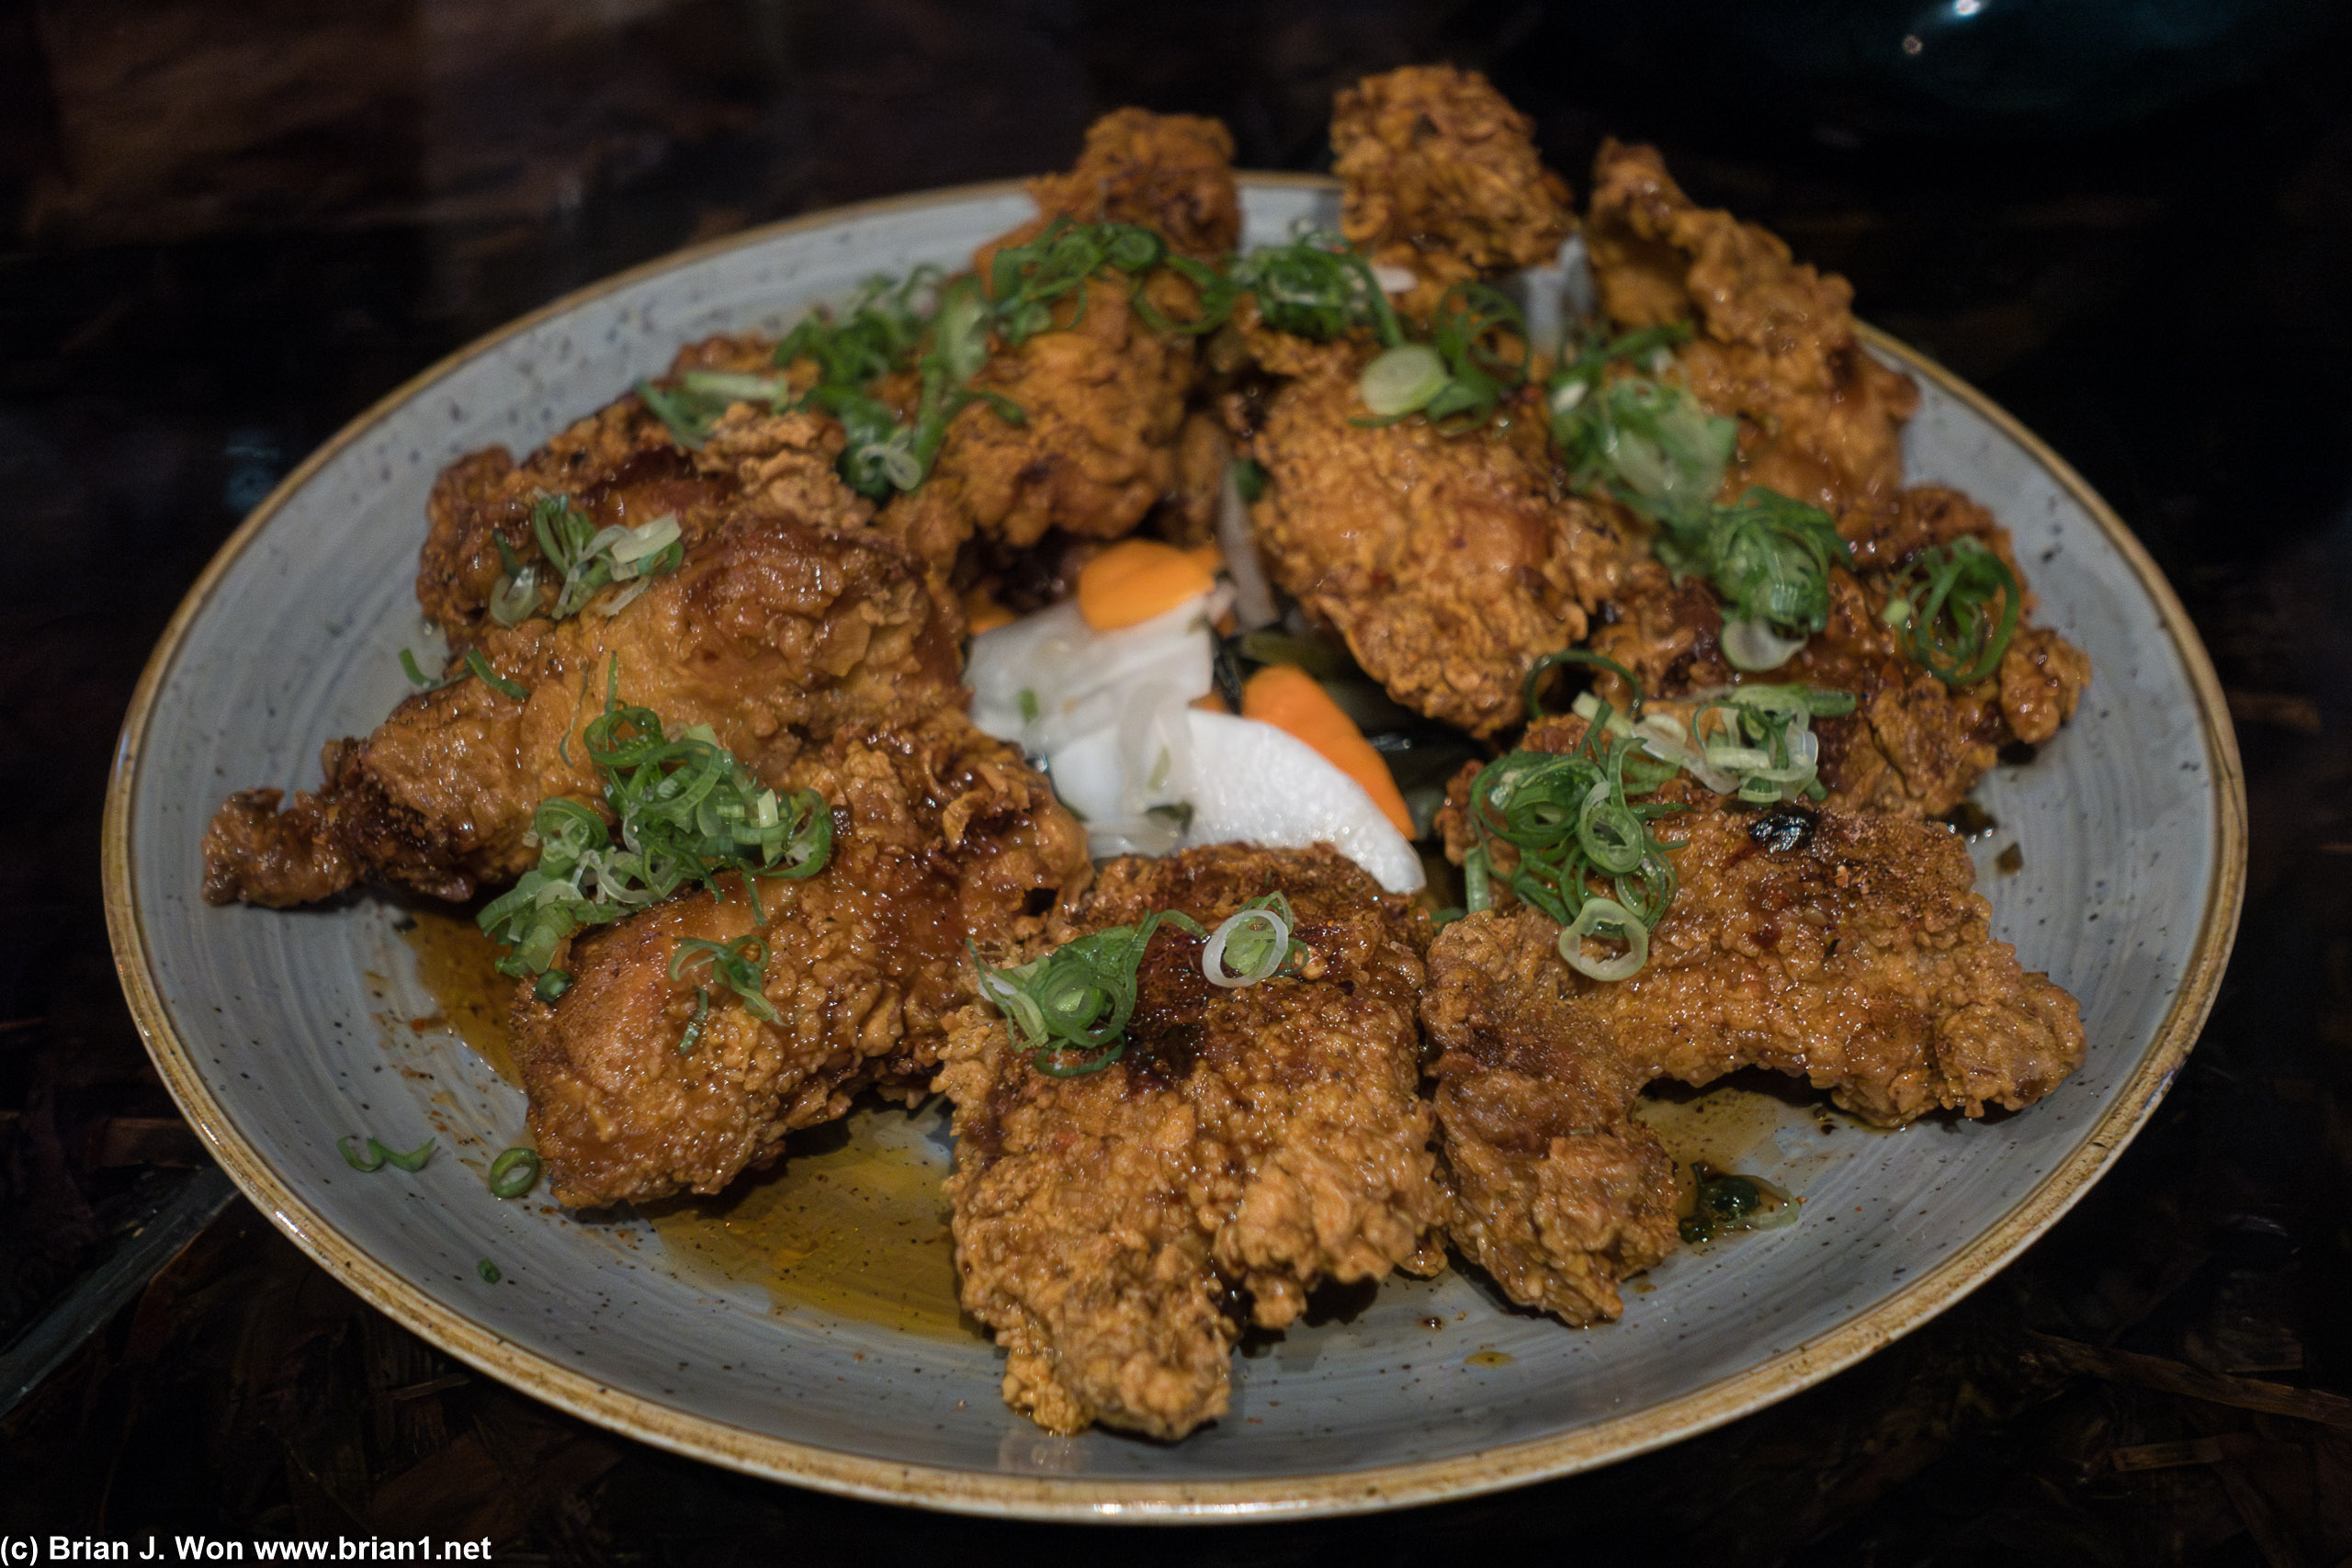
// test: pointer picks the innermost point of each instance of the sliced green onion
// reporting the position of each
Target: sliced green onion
(1401, 381)
(685, 812)
(1249, 478)
(492, 678)
(686, 1041)
(1076, 999)
(411, 1160)
(1251, 944)
(1754, 646)
(420, 680)
(1945, 598)
(1533, 687)
(517, 597)
(1606, 918)
(372, 1161)
(738, 965)
(513, 1173)
(488, 1272)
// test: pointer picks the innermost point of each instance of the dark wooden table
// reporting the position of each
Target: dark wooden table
(225, 229)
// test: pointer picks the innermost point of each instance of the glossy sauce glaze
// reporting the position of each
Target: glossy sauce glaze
(853, 1224)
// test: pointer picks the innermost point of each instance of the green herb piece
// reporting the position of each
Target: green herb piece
(740, 965)
(1955, 608)
(1460, 377)
(513, 1173)
(1077, 1000)
(1317, 287)
(1646, 442)
(1249, 477)
(1769, 559)
(378, 1155)
(586, 560)
(685, 812)
(1253, 943)
(693, 1035)
(1401, 381)
(492, 678)
(488, 1272)
(1531, 688)
(421, 680)
(1574, 818)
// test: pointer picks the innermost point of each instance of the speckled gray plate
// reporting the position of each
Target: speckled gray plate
(276, 1031)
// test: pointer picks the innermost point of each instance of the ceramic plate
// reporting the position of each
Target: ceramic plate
(832, 1361)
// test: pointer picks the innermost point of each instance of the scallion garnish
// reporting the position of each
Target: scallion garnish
(1460, 378)
(1077, 1000)
(421, 680)
(513, 1173)
(378, 1155)
(701, 1015)
(1943, 610)
(739, 965)
(488, 1272)
(587, 559)
(1252, 944)
(1573, 818)
(686, 811)
(1648, 443)
(1755, 741)
(1316, 287)
(492, 679)
(1769, 559)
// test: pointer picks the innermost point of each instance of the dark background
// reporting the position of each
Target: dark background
(227, 225)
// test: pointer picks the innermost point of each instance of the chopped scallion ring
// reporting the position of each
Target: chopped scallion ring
(513, 1173)
(1401, 381)
(1606, 918)
(1251, 944)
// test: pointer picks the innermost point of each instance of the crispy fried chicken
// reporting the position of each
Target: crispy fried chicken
(1441, 179)
(1248, 1141)
(1848, 948)
(621, 465)
(1775, 347)
(773, 634)
(1913, 743)
(1449, 563)
(1101, 399)
(942, 835)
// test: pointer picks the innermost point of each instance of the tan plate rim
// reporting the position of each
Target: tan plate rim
(1042, 1497)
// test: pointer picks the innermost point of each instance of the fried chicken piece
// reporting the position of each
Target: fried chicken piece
(1913, 743)
(942, 834)
(1256, 1140)
(773, 634)
(1849, 948)
(1441, 177)
(620, 465)
(1171, 173)
(1449, 563)
(1820, 419)
(1102, 396)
